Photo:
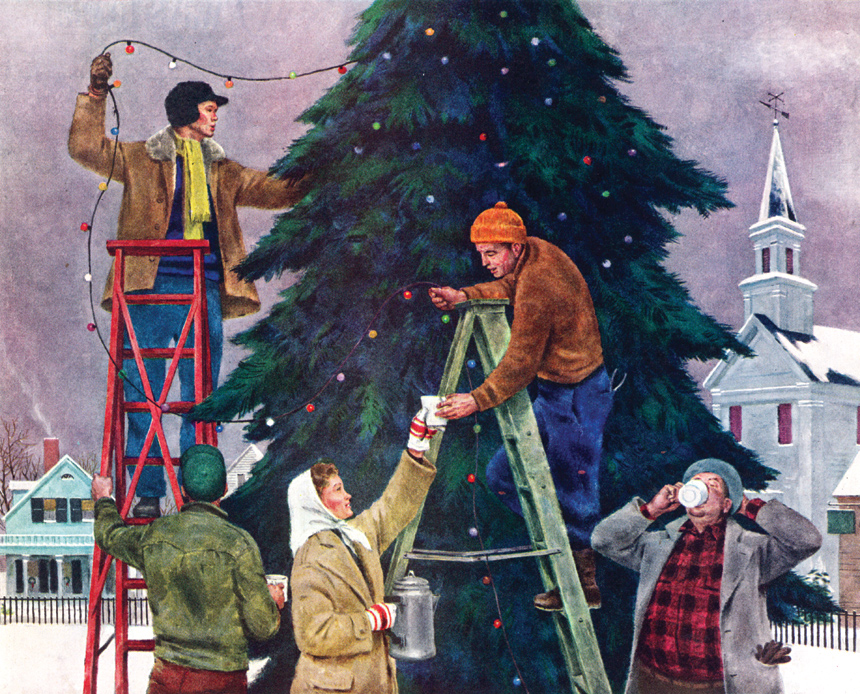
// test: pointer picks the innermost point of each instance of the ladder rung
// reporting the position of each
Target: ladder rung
(159, 353)
(140, 645)
(177, 406)
(147, 461)
(178, 299)
(482, 555)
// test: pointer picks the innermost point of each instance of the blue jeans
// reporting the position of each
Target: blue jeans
(161, 326)
(570, 420)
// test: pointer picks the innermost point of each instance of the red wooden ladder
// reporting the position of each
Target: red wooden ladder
(113, 460)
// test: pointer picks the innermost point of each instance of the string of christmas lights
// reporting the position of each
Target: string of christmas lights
(87, 227)
(130, 45)
(475, 532)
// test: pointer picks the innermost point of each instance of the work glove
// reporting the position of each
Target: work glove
(100, 71)
(420, 433)
(772, 653)
(381, 615)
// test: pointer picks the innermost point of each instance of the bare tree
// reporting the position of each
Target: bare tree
(16, 459)
(88, 460)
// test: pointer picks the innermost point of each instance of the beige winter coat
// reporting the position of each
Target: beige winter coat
(147, 171)
(330, 593)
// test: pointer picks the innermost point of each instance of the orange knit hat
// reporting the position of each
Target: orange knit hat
(498, 225)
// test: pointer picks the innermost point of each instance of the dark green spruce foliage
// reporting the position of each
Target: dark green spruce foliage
(451, 106)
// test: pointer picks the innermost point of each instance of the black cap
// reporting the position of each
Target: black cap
(182, 101)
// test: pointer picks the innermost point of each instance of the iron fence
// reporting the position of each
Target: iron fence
(68, 610)
(838, 632)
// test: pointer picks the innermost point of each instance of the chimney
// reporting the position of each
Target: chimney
(51, 454)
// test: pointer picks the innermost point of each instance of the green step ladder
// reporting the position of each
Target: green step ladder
(485, 320)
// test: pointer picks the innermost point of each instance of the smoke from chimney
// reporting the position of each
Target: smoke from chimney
(51, 454)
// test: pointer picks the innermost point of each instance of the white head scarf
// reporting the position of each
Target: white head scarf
(308, 516)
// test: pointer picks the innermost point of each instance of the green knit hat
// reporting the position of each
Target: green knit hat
(204, 474)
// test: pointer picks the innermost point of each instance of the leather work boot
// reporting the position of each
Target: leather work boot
(585, 567)
(549, 601)
(147, 507)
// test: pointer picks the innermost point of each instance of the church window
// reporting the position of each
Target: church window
(736, 422)
(789, 261)
(765, 259)
(784, 421)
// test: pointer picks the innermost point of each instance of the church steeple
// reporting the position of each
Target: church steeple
(776, 290)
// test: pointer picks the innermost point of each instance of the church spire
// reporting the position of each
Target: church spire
(776, 290)
(776, 201)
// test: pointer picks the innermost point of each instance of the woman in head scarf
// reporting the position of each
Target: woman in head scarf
(339, 613)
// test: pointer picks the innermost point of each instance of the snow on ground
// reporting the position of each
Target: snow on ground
(35, 659)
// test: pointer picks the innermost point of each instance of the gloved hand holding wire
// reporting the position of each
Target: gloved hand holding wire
(100, 71)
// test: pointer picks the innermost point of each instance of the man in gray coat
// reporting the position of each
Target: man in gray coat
(701, 622)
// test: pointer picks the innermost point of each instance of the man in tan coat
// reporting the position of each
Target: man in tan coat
(339, 613)
(178, 184)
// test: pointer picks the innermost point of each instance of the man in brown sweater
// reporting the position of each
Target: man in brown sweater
(554, 338)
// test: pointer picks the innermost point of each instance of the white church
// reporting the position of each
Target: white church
(797, 402)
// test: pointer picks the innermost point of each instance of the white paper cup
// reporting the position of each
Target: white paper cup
(692, 494)
(431, 402)
(277, 580)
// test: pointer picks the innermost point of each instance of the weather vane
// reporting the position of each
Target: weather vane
(774, 103)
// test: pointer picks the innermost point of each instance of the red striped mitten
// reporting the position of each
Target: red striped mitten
(419, 433)
(381, 615)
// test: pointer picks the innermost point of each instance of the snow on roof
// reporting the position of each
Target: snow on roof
(831, 355)
(849, 485)
(246, 460)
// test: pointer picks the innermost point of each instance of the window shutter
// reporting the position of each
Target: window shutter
(62, 511)
(784, 422)
(37, 510)
(736, 421)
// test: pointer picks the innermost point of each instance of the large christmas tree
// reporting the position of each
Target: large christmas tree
(449, 107)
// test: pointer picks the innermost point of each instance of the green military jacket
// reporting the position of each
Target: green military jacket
(205, 583)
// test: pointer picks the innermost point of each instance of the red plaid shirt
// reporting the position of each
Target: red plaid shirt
(680, 635)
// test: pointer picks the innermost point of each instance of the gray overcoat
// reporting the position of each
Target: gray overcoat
(751, 560)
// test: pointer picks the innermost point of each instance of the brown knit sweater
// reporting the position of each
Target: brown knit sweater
(554, 335)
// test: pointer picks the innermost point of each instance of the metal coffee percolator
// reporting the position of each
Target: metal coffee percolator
(412, 636)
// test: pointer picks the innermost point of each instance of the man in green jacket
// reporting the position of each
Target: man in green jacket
(204, 578)
(555, 340)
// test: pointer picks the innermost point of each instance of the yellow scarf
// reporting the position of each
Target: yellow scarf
(196, 208)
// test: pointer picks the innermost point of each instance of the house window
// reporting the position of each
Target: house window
(784, 422)
(735, 422)
(50, 506)
(37, 510)
(765, 259)
(858, 425)
(240, 479)
(81, 510)
(789, 261)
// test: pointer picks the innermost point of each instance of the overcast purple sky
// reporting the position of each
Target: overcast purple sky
(698, 67)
